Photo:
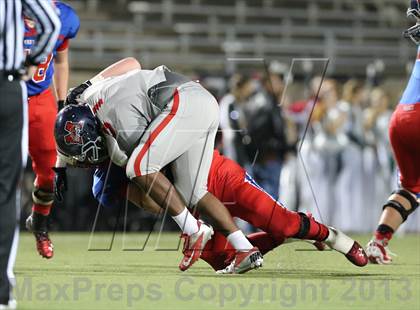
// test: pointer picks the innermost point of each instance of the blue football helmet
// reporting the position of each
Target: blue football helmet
(414, 12)
(78, 136)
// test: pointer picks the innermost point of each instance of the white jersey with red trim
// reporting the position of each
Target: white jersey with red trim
(123, 106)
(158, 118)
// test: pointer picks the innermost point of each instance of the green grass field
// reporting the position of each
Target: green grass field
(293, 277)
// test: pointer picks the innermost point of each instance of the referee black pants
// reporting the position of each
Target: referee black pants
(11, 124)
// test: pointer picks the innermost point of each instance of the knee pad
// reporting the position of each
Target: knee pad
(42, 197)
(399, 207)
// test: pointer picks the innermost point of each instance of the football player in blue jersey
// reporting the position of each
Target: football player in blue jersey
(404, 135)
(47, 89)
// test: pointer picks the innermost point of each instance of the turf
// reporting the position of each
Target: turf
(293, 277)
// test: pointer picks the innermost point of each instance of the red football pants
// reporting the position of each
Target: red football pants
(42, 114)
(249, 202)
(404, 134)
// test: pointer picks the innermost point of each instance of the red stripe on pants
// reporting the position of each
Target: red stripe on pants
(155, 133)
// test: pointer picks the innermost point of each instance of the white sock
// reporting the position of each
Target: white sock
(339, 241)
(239, 241)
(187, 222)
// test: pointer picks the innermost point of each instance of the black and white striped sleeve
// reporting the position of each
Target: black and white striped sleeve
(48, 27)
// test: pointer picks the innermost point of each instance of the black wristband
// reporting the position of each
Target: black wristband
(60, 104)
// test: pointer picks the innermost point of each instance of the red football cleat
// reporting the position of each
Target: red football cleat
(357, 255)
(194, 245)
(37, 224)
(44, 245)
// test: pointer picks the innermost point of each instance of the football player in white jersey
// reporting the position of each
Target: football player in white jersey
(145, 120)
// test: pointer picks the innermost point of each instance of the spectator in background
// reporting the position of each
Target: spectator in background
(377, 158)
(380, 102)
(253, 126)
(294, 188)
(327, 145)
(350, 203)
(267, 129)
(233, 121)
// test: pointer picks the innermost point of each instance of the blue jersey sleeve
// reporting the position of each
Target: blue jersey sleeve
(110, 185)
(411, 93)
(69, 20)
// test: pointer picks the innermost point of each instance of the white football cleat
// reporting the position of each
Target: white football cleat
(244, 262)
(378, 252)
(194, 245)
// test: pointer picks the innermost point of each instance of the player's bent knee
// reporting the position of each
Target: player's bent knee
(396, 205)
(42, 197)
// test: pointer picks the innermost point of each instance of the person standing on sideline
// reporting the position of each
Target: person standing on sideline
(14, 68)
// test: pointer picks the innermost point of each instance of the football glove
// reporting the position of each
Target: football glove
(60, 182)
(75, 93)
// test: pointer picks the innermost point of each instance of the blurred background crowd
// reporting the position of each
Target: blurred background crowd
(306, 89)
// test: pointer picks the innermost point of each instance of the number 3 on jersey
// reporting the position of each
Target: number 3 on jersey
(41, 71)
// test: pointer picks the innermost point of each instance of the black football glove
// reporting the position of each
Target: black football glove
(75, 93)
(60, 183)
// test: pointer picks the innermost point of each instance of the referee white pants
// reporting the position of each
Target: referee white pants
(183, 136)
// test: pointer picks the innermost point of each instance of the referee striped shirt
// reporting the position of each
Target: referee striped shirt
(12, 31)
